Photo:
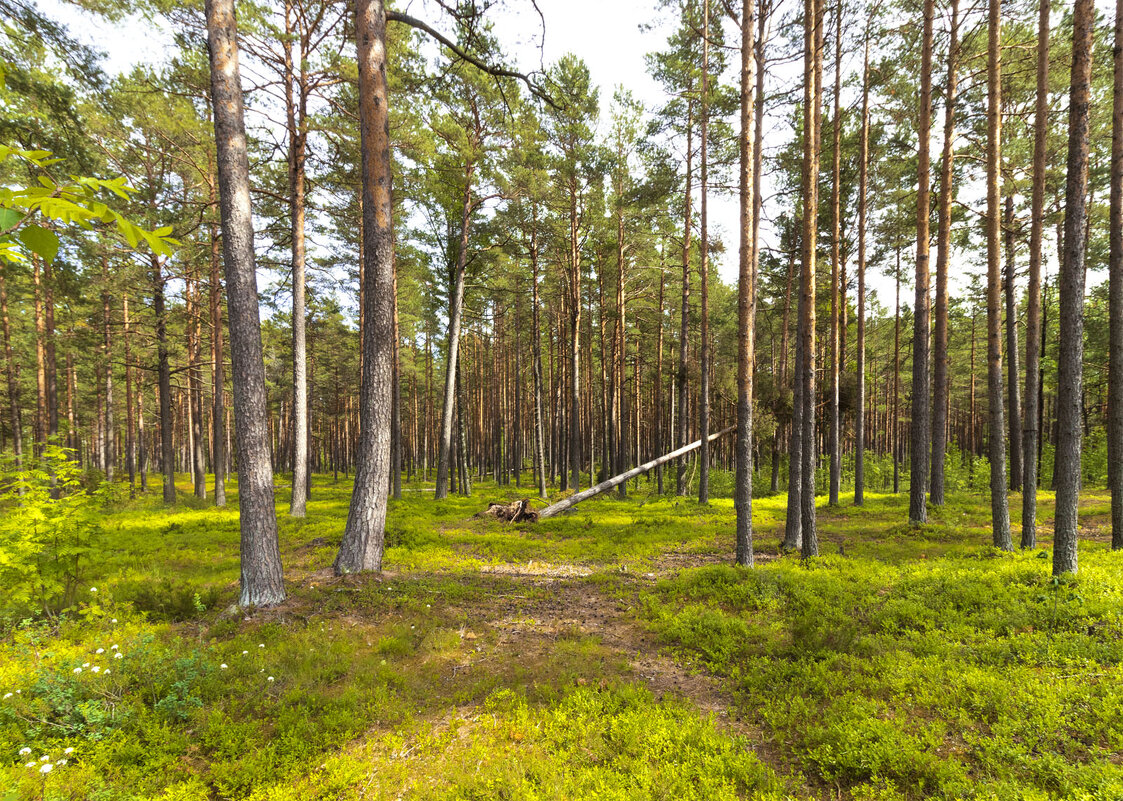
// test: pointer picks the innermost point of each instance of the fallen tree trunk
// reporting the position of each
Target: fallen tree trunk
(604, 486)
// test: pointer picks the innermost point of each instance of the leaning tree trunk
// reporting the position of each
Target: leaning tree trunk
(746, 305)
(1070, 354)
(999, 506)
(940, 385)
(1115, 269)
(921, 424)
(262, 583)
(605, 486)
(363, 539)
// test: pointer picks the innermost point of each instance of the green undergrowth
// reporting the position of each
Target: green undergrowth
(970, 675)
(905, 663)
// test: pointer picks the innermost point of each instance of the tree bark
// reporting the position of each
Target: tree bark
(452, 351)
(363, 540)
(746, 303)
(863, 188)
(12, 370)
(940, 376)
(262, 583)
(684, 325)
(704, 271)
(218, 378)
(834, 441)
(1013, 398)
(1115, 300)
(812, 100)
(295, 113)
(921, 423)
(536, 341)
(1070, 354)
(999, 505)
(604, 486)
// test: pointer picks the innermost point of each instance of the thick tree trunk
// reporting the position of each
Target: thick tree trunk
(746, 304)
(940, 378)
(1115, 269)
(921, 424)
(363, 540)
(1013, 395)
(1000, 511)
(262, 583)
(1070, 354)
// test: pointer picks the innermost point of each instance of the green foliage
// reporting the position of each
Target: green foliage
(71, 202)
(49, 526)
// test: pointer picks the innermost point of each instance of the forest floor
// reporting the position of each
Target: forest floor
(610, 653)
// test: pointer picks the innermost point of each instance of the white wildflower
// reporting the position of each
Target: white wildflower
(7, 696)
(113, 647)
(261, 645)
(118, 655)
(68, 750)
(85, 664)
(107, 672)
(46, 768)
(24, 751)
(114, 620)
(244, 653)
(96, 669)
(45, 758)
(222, 666)
(31, 764)
(77, 670)
(62, 762)
(270, 679)
(93, 590)
(100, 651)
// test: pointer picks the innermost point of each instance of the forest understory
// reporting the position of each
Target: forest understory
(613, 652)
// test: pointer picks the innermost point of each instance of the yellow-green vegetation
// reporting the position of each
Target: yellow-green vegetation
(612, 653)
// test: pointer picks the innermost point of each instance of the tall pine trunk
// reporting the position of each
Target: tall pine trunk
(1013, 395)
(704, 270)
(940, 376)
(863, 188)
(834, 442)
(364, 537)
(1032, 422)
(262, 582)
(1115, 268)
(999, 505)
(921, 424)
(1070, 354)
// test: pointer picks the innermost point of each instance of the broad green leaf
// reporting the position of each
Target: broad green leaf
(40, 240)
